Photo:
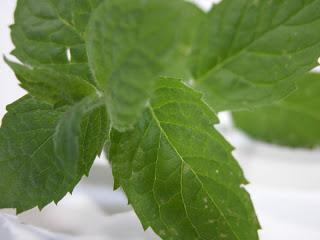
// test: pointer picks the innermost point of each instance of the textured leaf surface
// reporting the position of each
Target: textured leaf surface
(249, 52)
(129, 44)
(294, 121)
(52, 86)
(178, 171)
(29, 171)
(45, 32)
(68, 133)
(186, 29)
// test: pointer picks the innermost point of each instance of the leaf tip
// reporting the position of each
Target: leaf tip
(19, 211)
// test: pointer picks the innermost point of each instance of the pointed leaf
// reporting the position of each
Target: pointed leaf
(52, 86)
(30, 175)
(51, 33)
(178, 171)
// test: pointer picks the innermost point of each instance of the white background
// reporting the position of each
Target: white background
(285, 186)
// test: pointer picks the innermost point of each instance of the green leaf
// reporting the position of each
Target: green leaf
(130, 43)
(30, 174)
(178, 171)
(187, 26)
(68, 133)
(52, 86)
(294, 121)
(45, 31)
(248, 53)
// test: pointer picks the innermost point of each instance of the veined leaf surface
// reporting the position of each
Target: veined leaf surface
(249, 53)
(30, 174)
(51, 33)
(178, 171)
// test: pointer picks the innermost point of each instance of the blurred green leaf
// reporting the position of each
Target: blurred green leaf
(131, 43)
(294, 121)
(74, 137)
(248, 53)
(51, 33)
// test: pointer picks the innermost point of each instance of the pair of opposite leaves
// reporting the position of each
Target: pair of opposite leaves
(179, 176)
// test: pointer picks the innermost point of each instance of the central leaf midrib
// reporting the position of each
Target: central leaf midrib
(184, 162)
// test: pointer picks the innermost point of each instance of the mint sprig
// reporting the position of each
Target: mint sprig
(104, 74)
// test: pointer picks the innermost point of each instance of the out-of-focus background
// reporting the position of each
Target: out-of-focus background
(285, 185)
